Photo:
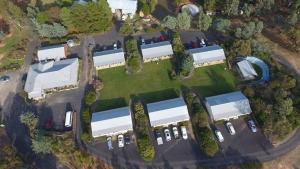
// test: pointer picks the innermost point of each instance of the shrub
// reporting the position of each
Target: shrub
(90, 97)
(221, 25)
(133, 56)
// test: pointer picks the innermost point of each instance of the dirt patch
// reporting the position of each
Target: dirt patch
(288, 161)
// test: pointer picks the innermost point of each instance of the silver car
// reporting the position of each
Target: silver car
(230, 128)
(109, 143)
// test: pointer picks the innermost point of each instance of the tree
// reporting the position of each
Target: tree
(293, 19)
(221, 25)
(41, 144)
(169, 22)
(238, 32)
(265, 4)
(248, 9)
(242, 47)
(204, 21)
(248, 30)
(9, 158)
(30, 121)
(231, 7)
(127, 27)
(186, 65)
(42, 17)
(54, 30)
(209, 5)
(92, 17)
(133, 56)
(184, 20)
(90, 97)
(147, 6)
(259, 26)
(294, 34)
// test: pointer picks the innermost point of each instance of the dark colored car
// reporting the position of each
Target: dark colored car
(127, 139)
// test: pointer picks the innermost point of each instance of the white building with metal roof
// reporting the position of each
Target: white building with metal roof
(156, 51)
(109, 58)
(227, 106)
(126, 7)
(54, 52)
(167, 112)
(49, 76)
(208, 55)
(111, 122)
(246, 70)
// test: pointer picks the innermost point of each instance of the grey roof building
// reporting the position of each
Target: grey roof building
(246, 70)
(207, 54)
(167, 112)
(109, 58)
(156, 50)
(49, 75)
(227, 106)
(111, 122)
(55, 52)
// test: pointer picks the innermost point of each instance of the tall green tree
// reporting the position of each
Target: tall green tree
(209, 5)
(29, 120)
(221, 25)
(184, 20)
(204, 21)
(169, 22)
(231, 7)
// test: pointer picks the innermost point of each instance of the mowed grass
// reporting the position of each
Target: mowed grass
(155, 84)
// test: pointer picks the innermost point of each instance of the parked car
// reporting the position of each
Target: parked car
(4, 78)
(68, 119)
(115, 46)
(167, 135)
(127, 139)
(121, 140)
(143, 41)
(230, 128)
(202, 42)
(109, 143)
(158, 138)
(175, 132)
(219, 135)
(184, 132)
(252, 126)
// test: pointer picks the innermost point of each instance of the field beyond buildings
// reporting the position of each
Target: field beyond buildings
(155, 83)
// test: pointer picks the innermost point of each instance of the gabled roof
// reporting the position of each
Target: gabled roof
(207, 54)
(55, 52)
(51, 74)
(229, 105)
(111, 121)
(108, 57)
(246, 69)
(167, 112)
(127, 6)
(155, 50)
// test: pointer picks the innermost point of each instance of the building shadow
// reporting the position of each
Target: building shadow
(107, 104)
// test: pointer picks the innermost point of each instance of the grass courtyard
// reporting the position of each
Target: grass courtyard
(155, 84)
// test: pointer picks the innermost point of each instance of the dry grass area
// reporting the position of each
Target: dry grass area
(288, 161)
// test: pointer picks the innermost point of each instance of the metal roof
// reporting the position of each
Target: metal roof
(108, 57)
(229, 105)
(246, 69)
(55, 52)
(207, 54)
(167, 112)
(52, 74)
(155, 50)
(127, 6)
(111, 121)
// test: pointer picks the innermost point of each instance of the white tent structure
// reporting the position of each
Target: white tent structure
(51, 75)
(155, 51)
(54, 52)
(191, 8)
(111, 122)
(167, 112)
(246, 70)
(227, 106)
(109, 58)
(208, 55)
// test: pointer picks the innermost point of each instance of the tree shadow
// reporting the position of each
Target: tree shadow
(106, 104)
(166, 94)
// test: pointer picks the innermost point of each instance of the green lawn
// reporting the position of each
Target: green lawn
(154, 83)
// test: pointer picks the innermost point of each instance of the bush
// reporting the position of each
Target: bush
(90, 97)
(207, 143)
(127, 28)
(221, 25)
(85, 137)
(133, 56)
(144, 143)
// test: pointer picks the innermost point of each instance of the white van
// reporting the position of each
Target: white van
(68, 120)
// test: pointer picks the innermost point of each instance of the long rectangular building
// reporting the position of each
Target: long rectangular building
(109, 58)
(54, 52)
(167, 112)
(156, 51)
(111, 122)
(227, 106)
(208, 55)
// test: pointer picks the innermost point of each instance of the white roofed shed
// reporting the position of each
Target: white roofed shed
(156, 50)
(207, 54)
(55, 52)
(167, 112)
(109, 58)
(227, 106)
(127, 6)
(111, 122)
